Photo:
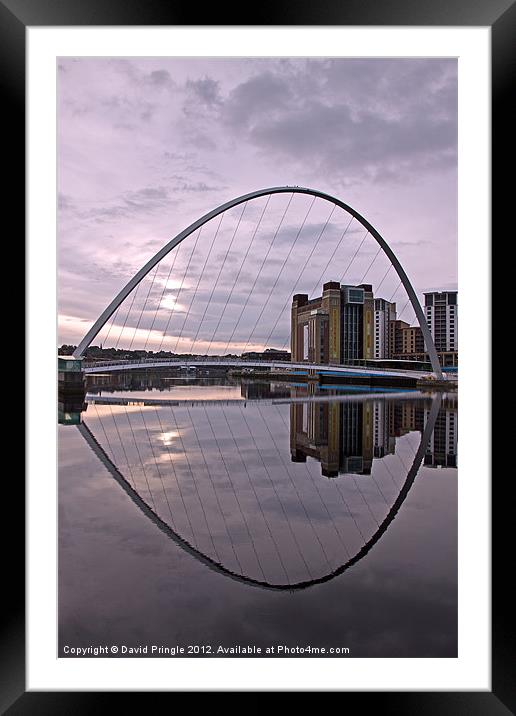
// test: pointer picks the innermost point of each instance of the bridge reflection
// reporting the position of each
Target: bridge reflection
(218, 479)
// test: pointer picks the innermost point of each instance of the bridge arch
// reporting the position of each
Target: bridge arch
(140, 275)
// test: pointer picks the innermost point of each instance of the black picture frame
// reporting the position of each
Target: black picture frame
(500, 16)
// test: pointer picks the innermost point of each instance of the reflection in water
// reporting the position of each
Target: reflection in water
(242, 485)
(345, 436)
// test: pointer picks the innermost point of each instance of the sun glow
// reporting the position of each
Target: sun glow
(168, 438)
(170, 301)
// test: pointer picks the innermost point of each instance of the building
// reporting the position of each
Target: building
(384, 315)
(368, 319)
(395, 329)
(412, 341)
(335, 328)
(347, 325)
(441, 317)
(409, 343)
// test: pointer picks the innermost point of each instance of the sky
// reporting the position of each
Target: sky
(147, 146)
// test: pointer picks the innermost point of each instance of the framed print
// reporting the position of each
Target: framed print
(246, 244)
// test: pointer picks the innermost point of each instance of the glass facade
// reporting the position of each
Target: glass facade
(352, 329)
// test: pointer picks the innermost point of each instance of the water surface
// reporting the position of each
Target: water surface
(231, 514)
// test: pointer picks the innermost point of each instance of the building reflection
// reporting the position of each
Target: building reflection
(345, 437)
(339, 435)
(256, 390)
(442, 446)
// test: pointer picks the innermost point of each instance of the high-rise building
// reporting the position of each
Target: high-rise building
(368, 317)
(441, 317)
(352, 323)
(334, 328)
(384, 314)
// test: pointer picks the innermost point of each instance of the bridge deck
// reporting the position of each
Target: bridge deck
(111, 366)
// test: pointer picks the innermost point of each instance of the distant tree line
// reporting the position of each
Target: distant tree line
(101, 353)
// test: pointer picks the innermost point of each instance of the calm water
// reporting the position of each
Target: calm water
(225, 514)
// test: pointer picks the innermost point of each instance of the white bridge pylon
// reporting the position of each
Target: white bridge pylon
(173, 243)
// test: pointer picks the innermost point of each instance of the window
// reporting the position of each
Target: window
(305, 341)
(355, 295)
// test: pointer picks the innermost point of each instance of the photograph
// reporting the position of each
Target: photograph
(258, 357)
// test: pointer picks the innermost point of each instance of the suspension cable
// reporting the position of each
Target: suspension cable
(123, 446)
(179, 292)
(292, 482)
(260, 270)
(194, 482)
(144, 305)
(176, 300)
(218, 277)
(178, 482)
(280, 272)
(140, 458)
(127, 315)
(353, 257)
(235, 494)
(319, 280)
(172, 310)
(258, 503)
(292, 290)
(165, 284)
(403, 309)
(280, 503)
(111, 324)
(323, 503)
(196, 434)
(377, 288)
(157, 466)
(370, 265)
(206, 259)
(238, 276)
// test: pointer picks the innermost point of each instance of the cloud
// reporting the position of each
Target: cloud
(375, 123)
(159, 78)
(142, 201)
(206, 91)
(263, 95)
(148, 145)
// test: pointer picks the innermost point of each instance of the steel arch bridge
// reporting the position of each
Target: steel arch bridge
(173, 243)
